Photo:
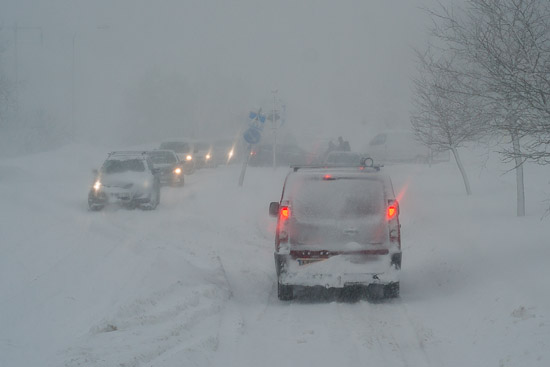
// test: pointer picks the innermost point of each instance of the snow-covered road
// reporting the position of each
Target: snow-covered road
(193, 282)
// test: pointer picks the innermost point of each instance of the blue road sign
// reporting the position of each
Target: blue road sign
(252, 135)
(254, 116)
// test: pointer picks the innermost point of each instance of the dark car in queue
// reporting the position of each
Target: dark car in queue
(337, 228)
(203, 155)
(127, 178)
(170, 168)
(184, 151)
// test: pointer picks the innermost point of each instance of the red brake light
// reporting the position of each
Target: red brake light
(392, 211)
(284, 212)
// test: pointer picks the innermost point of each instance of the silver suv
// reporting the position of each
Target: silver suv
(126, 178)
(337, 228)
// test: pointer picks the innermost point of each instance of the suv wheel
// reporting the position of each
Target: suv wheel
(182, 181)
(154, 200)
(92, 204)
(95, 207)
(285, 292)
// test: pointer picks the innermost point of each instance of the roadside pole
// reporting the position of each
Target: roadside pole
(252, 136)
(245, 164)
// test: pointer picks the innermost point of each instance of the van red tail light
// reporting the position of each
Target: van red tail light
(392, 214)
(282, 231)
(284, 213)
(392, 211)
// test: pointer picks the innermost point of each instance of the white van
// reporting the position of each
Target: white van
(402, 147)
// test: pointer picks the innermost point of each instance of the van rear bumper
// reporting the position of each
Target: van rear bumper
(338, 271)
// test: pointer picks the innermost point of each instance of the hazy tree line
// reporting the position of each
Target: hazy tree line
(157, 104)
(6, 91)
(486, 74)
(27, 129)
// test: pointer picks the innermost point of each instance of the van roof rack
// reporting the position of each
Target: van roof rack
(329, 166)
(366, 162)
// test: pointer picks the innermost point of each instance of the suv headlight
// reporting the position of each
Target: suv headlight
(177, 171)
(188, 157)
(97, 185)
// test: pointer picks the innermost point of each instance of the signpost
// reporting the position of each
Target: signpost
(252, 136)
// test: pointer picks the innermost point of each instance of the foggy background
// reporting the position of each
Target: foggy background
(121, 71)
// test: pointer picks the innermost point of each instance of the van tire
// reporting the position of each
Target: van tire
(285, 292)
(391, 290)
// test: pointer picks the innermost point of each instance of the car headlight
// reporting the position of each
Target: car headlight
(188, 157)
(97, 185)
(208, 156)
(177, 171)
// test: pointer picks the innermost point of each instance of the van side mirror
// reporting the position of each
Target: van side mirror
(273, 208)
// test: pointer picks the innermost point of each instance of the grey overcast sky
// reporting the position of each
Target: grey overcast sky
(340, 67)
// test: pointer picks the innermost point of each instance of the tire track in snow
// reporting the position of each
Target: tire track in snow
(390, 332)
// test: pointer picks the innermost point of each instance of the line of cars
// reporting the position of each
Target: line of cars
(196, 154)
(134, 178)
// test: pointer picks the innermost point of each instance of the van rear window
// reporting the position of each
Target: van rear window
(340, 198)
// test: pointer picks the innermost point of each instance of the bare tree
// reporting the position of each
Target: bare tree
(444, 117)
(504, 49)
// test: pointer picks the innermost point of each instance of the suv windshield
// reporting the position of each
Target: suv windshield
(119, 166)
(162, 157)
(341, 198)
